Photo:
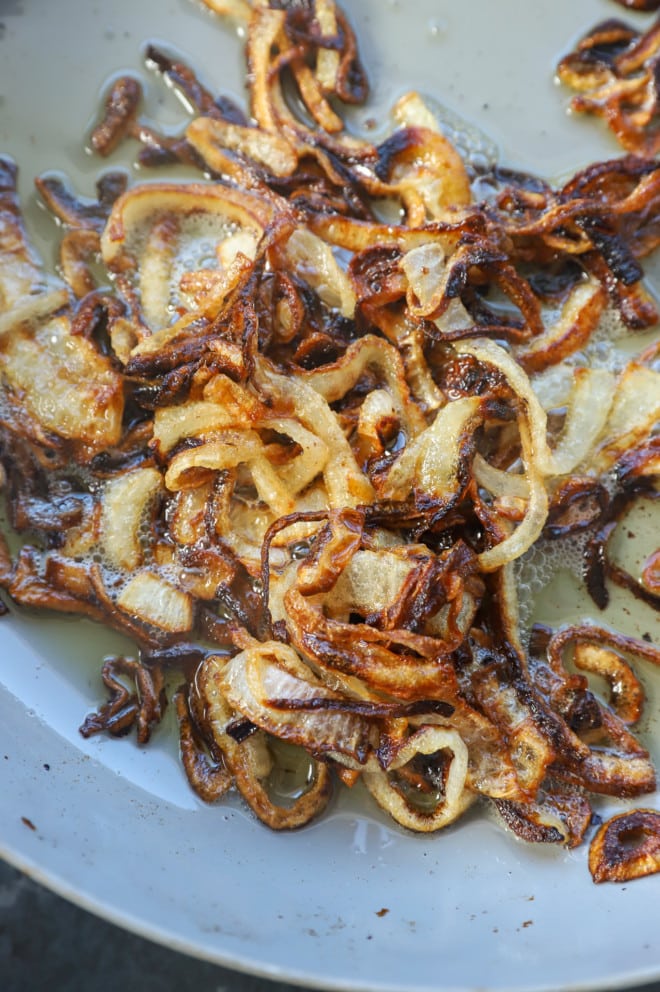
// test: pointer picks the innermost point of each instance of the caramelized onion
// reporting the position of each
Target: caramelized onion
(297, 453)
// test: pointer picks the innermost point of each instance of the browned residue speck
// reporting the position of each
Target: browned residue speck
(527, 923)
(28, 823)
(382, 912)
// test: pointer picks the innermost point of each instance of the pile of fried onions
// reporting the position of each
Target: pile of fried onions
(613, 70)
(294, 450)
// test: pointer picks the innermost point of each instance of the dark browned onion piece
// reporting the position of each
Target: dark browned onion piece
(626, 847)
(76, 211)
(143, 706)
(120, 112)
(210, 779)
(614, 69)
(598, 566)
(639, 4)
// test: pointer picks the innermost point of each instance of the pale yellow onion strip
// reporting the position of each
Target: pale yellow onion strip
(157, 341)
(327, 59)
(409, 340)
(240, 10)
(227, 449)
(410, 110)
(346, 484)
(357, 235)
(21, 273)
(433, 465)
(633, 415)
(212, 138)
(242, 526)
(155, 271)
(272, 671)
(124, 501)
(553, 386)
(186, 522)
(542, 457)
(265, 28)
(61, 382)
(376, 409)
(203, 417)
(425, 269)
(432, 179)
(244, 242)
(487, 351)
(297, 474)
(33, 309)
(589, 406)
(531, 526)
(313, 260)
(250, 762)
(432, 460)
(497, 481)
(135, 211)
(151, 599)
(510, 608)
(334, 381)
(420, 380)
(427, 740)
(370, 582)
(589, 403)
(233, 448)
(207, 310)
(192, 419)
(311, 93)
(436, 175)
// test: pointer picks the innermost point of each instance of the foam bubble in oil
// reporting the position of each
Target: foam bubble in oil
(541, 565)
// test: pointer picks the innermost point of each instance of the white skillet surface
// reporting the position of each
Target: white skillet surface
(350, 902)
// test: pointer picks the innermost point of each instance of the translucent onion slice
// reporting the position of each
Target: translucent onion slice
(455, 800)
(250, 762)
(30, 310)
(125, 500)
(498, 481)
(225, 404)
(634, 413)
(334, 380)
(327, 59)
(588, 409)
(21, 275)
(313, 260)
(196, 418)
(241, 10)
(213, 138)
(62, 381)
(492, 354)
(134, 213)
(148, 598)
(538, 459)
(425, 269)
(228, 450)
(346, 484)
(263, 680)
(434, 462)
